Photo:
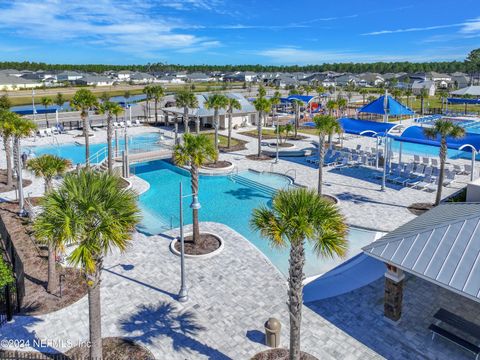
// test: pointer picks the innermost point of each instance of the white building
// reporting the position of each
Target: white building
(17, 83)
(429, 85)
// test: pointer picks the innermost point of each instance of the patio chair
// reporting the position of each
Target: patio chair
(449, 178)
(41, 133)
(423, 183)
(432, 186)
(359, 147)
(468, 169)
(345, 163)
(395, 174)
(121, 124)
(115, 124)
(426, 160)
(419, 169)
(434, 162)
(458, 169)
(138, 123)
(48, 132)
(129, 123)
(416, 159)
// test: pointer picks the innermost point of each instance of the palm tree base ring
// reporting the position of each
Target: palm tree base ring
(175, 245)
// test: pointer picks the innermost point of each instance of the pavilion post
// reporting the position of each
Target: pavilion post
(474, 153)
(393, 298)
(385, 157)
(376, 152)
(400, 153)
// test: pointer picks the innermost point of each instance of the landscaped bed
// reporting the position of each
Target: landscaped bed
(269, 134)
(280, 354)
(208, 243)
(221, 164)
(3, 182)
(235, 145)
(34, 258)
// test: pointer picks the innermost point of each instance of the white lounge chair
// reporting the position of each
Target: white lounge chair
(468, 169)
(423, 183)
(434, 162)
(121, 124)
(416, 159)
(432, 186)
(458, 169)
(115, 124)
(48, 132)
(426, 161)
(129, 123)
(41, 133)
(138, 123)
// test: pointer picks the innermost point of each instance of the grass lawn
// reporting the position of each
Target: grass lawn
(268, 134)
(235, 144)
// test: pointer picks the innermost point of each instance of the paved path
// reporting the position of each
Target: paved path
(223, 318)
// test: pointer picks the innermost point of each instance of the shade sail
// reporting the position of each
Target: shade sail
(37, 111)
(303, 98)
(463, 101)
(365, 127)
(393, 107)
(414, 134)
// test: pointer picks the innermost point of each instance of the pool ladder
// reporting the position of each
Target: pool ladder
(232, 173)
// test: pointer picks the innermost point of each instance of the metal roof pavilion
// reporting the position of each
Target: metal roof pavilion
(441, 246)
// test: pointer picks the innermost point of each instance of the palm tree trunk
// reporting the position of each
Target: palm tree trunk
(109, 146)
(94, 314)
(156, 111)
(422, 110)
(443, 159)
(229, 129)
(194, 184)
(52, 283)
(321, 155)
(86, 133)
(297, 114)
(259, 129)
(295, 297)
(21, 203)
(185, 121)
(8, 155)
(197, 125)
(215, 125)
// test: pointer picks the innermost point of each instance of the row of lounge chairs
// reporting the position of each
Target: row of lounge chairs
(51, 131)
(342, 159)
(426, 161)
(419, 176)
(425, 119)
(460, 113)
(127, 123)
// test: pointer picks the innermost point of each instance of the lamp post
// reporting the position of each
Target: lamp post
(277, 135)
(195, 205)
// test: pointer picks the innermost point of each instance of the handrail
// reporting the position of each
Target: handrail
(172, 217)
(294, 173)
(232, 172)
(102, 152)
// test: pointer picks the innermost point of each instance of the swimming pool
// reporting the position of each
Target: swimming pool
(76, 152)
(228, 200)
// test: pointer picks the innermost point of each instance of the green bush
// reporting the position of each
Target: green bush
(6, 274)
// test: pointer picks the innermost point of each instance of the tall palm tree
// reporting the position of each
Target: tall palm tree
(307, 89)
(216, 102)
(59, 100)
(297, 105)
(186, 99)
(275, 100)
(48, 166)
(46, 102)
(363, 92)
(22, 128)
(325, 125)
(83, 100)
(262, 105)
(6, 131)
(195, 151)
(408, 93)
(295, 216)
(93, 213)
(157, 93)
(232, 104)
(342, 104)
(443, 129)
(111, 109)
(331, 106)
(422, 96)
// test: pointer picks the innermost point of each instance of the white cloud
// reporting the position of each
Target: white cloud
(131, 27)
(471, 26)
(412, 29)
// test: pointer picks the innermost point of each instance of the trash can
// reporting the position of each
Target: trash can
(272, 332)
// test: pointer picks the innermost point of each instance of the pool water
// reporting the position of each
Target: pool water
(76, 152)
(228, 201)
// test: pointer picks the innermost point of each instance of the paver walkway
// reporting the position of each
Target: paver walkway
(231, 296)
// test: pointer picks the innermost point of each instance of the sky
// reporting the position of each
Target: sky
(277, 32)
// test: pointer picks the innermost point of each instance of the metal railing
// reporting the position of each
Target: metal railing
(99, 156)
(232, 172)
(294, 171)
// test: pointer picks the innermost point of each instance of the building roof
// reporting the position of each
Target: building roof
(469, 90)
(441, 246)
(201, 111)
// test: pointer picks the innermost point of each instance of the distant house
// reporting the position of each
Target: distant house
(370, 79)
(170, 79)
(285, 81)
(198, 77)
(15, 83)
(142, 78)
(69, 76)
(124, 75)
(247, 76)
(428, 85)
(347, 79)
(460, 80)
(95, 80)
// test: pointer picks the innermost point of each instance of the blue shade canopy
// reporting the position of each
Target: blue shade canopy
(37, 111)
(463, 101)
(393, 107)
(303, 98)
(414, 134)
(365, 127)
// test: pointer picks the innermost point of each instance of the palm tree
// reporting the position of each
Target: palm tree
(48, 166)
(216, 102)
(104, 97)
(83, 100)
(111, 109)
(93, 213)
(297, 105)
(195, 151)
(59, 100)
(147, 90)
(422, 96)
(5, 103)
(231, 105)
(443, 129)
(331, 106)
(157, 94)
(186, 99)
(307, 89)
(46, 102)
(342, 104)
(363, 92)
(262, 105)
(295, 216)
(6, 131)
(22, 128)
(274, 101)
(408, 93)
(325, 125)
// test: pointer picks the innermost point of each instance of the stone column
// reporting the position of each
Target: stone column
(393, 293)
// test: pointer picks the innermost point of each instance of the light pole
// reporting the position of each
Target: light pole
(277, 134)
(195, 205)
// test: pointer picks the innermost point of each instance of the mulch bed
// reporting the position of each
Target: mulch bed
(258, 158)
(207, 244)
(280, 354)
(238, 147)
(218, 165)
(114, 348)
(282, 145)
(3, 182)
(329, 198)
(34, 258)
(271, 137)
(420, 208)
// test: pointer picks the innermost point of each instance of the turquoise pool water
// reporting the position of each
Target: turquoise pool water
(76, 152)
(226, 201)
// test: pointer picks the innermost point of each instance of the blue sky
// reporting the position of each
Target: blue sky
(237, 32)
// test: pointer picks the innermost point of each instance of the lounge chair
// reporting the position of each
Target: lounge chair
(449, 178)
(129, 123)
(426, 161)
(458, 169)
(434, 162)
(423, 183)
(468, 169)
(395, 174)
(416, 159)
(41, 133)
(432, 186)
(138, 123)
(48, 132)
(359, 147)
(420, 168)
(345, 163)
